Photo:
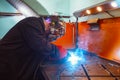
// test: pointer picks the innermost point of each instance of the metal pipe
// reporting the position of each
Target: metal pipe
(77, 35)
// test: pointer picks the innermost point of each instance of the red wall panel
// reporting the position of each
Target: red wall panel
(104, 42)
(67, 41)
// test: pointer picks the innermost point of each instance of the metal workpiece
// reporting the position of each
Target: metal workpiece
(92, 68)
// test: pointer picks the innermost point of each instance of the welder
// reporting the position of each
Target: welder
(26, 44)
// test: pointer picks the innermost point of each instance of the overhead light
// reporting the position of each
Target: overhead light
(114, 4)
(99, 9)
(107, 6)
(88, 11)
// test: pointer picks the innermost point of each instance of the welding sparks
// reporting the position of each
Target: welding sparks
(75, 57)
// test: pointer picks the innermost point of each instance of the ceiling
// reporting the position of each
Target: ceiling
(107, 12)
(64, 8)
(102, 15)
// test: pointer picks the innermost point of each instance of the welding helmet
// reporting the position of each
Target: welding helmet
(57, 27)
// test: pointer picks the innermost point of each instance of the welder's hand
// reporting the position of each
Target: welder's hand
(62, 52)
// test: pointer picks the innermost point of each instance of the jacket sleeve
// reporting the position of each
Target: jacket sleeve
(33, 35)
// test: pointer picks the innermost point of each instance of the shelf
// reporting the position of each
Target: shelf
(10, 14)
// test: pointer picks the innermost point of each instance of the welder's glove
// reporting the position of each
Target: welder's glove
(60, 53)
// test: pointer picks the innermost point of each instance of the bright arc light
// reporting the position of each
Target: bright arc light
(74, 58)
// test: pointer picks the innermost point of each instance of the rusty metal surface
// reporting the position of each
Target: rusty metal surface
(93, 68)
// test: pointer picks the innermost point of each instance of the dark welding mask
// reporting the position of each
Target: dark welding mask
(57, 27)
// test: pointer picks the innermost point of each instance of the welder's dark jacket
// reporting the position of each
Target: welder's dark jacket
(23, 48)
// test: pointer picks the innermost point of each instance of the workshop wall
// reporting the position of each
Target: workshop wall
(104, 42)
(6, 22)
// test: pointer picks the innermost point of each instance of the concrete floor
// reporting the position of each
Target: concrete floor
(92, 68)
